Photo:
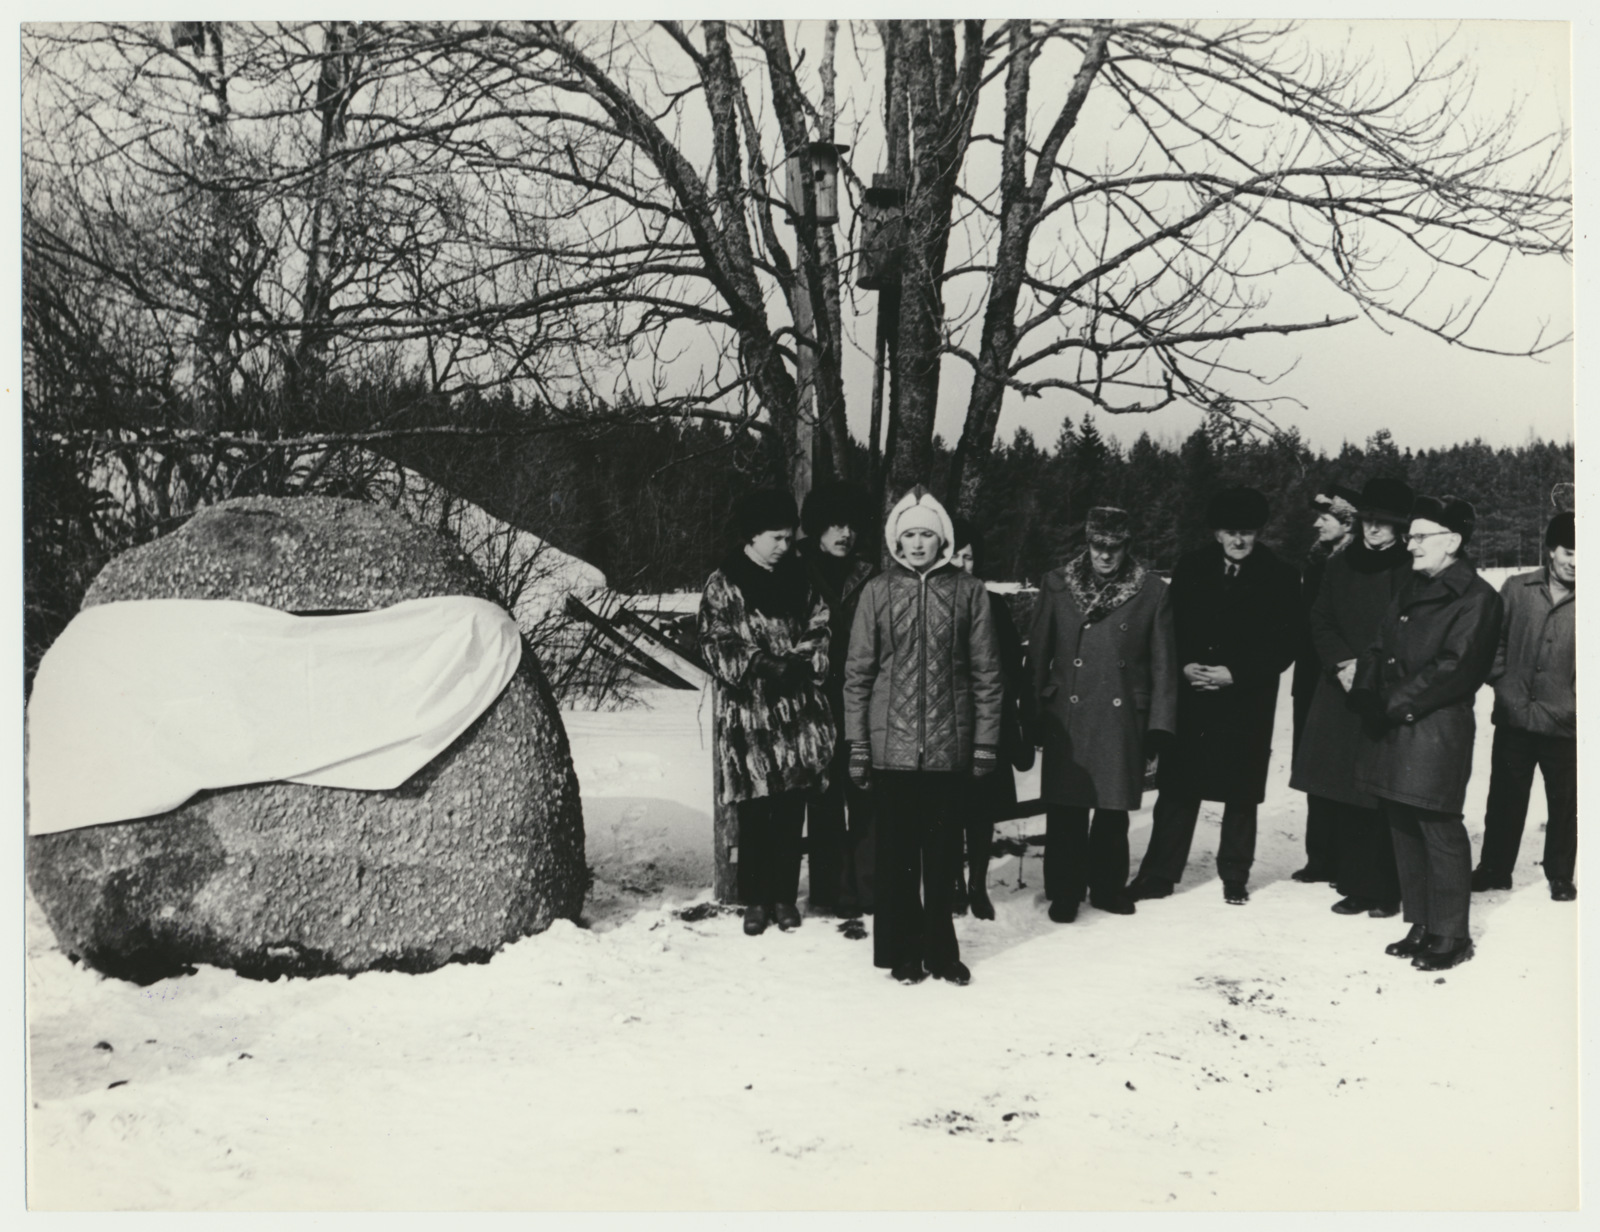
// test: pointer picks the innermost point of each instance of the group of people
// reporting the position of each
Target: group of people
(881, 712)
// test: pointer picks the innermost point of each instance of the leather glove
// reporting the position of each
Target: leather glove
(1156, 742)
(861, 764)
(984, 761)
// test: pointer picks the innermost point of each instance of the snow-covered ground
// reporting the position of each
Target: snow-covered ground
(1195, 1055)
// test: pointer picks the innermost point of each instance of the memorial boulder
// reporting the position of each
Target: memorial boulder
(482, 846)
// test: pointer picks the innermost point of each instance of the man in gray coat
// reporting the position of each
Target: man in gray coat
(1105, 682)
(1536, 717)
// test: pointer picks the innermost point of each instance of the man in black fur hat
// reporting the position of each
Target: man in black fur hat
(1536, 717)
(1238, 624)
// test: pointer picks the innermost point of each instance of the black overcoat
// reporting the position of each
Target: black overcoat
(1358, 585)
(1253, 625)
(1434, 650)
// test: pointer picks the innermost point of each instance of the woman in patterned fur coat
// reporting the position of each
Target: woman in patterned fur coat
(764, 635)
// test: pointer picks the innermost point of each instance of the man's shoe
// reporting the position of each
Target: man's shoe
(1563, 891)
(1384, 911)
(1443, 953)
(1411, 944)
(1353, 905)
(954, 972)
(982, 908)
(1484, 879)
(910, 973)
(1116, 903)
(1064, 911)
(1235, 893)
(755, 921)
(1311, 873)
(1142, 888)
(786, 916)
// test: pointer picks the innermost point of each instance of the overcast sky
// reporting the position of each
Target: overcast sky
(1356, 378)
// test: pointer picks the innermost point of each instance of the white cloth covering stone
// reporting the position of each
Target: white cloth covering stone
(139, 705)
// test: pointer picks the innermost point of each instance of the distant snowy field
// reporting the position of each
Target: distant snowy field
(1194, 1055)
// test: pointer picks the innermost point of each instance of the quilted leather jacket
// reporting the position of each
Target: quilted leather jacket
(922, 682)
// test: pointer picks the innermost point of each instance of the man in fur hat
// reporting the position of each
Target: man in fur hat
(1536, 717)
(1238, 623)
(1105, 684)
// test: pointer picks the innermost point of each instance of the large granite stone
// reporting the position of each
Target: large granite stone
(482, 846)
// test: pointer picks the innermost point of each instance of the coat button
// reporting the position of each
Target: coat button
(1073, 699)
(1403, 619)
(1116, 701)
(1124, 628)
(1077, 663)
(1391, 658)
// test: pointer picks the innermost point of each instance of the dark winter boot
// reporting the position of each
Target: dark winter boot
(1142, 888)
(958, 898)
(1487, 879)
(1113, 901)
(1442, 953)
(955, 972)
(1563, 891)
(1064, 910)
(910, 972)
(978, 880)
(755, 921)
(786, 916)
(1411, 944)
(1235, 893)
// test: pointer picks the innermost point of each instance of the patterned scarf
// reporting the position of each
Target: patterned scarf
(1095, 596)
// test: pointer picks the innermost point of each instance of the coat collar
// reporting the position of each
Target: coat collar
(1095, 599)
(1453, 581)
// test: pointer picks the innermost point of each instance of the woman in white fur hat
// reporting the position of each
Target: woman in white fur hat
(922, 702)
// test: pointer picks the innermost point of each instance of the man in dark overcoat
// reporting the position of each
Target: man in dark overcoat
(1334, 524)
(1238, 624)
(835, 518)
(1358, 585)
(1535, 678)
(1105, 684)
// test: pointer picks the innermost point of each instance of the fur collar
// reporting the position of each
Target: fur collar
(783, 593)
(1096, 598)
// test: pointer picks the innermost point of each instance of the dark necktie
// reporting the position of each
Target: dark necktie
(1230, 568)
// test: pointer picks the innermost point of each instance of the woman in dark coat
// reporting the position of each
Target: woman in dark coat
(1415, 686)
(992, 797)
(922, 693)
(835, 519)
(1357, 587)
(1335, 527)
(764, 636)
(1105, 682)
(1237, 617)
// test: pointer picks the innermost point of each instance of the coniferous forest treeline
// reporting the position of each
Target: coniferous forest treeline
(650, 504)
(649, 501)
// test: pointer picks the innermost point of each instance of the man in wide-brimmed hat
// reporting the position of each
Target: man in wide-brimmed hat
(1536, 717)
(1105, 684)
(1238, 623)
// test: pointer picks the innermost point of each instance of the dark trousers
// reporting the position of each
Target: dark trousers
(769, 848)
(1172, 832)
(1079, 856)
(1516, 754)
(1434, 857)
(1363, 857)
(839, 855)
(915, 837)
(1322, 835)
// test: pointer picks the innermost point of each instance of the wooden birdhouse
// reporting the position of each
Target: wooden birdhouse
(883, 233)
(818, 165)
(189, 34)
